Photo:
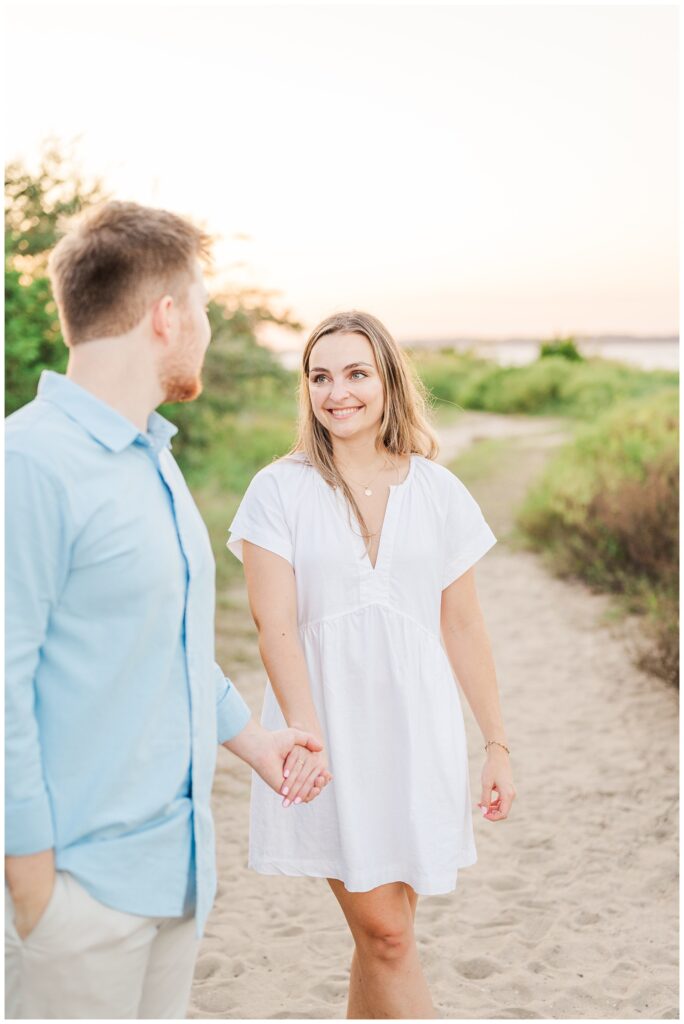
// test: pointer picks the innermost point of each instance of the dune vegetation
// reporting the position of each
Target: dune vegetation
(605, 510)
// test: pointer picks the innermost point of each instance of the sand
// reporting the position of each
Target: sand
(571, 910)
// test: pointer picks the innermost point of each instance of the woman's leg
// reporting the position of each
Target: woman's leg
(386, 977)
(357, 1007)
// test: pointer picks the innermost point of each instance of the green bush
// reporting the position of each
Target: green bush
(607, 511)
(552, 385)
(564, 347)
(247, 411)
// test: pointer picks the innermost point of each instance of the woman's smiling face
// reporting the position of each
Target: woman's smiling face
(344, 385)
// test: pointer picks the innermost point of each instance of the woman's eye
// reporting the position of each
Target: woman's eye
(320, 377)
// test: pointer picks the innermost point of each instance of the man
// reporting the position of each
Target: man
(114, 702)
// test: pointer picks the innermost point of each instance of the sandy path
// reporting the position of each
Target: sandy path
(571, 909)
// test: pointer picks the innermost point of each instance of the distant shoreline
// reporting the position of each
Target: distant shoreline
(581, 339)
(646, 352)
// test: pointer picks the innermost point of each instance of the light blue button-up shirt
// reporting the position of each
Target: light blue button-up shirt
(114, 703)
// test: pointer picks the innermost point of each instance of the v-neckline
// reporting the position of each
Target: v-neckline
(339, 496)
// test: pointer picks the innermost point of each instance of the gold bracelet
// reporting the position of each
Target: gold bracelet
(489, 742)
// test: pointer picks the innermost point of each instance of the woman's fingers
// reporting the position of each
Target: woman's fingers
(304, 780)
(320, 782)
(486, 798)
(499, 808)
(303, 776)
(291, 760)
(507, 799)
(308, 783)
(293, 773)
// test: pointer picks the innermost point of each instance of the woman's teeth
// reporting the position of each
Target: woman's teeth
(344, 414)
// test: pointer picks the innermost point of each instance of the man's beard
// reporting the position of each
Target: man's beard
(179, 388)
(180, 382)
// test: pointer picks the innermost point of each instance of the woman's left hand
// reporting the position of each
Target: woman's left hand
(303, 770)
(498, 791)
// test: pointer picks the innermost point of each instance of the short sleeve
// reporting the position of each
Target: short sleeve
(260, 519)
(468, 537)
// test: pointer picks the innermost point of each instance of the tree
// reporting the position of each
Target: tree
(36, 204)
(237, 371)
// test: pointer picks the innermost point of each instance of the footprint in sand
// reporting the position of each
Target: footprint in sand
(504, 883)
(289, 932)
(585, 917)
(218, 1001)
(210, 964)
(518, 1013)
(477, 968)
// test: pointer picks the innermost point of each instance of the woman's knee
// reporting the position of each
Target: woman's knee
(385, 939)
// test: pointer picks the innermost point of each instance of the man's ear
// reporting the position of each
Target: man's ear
(162, 318)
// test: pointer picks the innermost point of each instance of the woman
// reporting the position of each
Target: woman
(358, 549)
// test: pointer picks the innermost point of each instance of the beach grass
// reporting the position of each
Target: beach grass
(606, 511)
(552, 385)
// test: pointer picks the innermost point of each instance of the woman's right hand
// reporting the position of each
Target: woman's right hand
(304, 770)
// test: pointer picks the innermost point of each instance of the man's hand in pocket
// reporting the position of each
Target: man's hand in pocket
(30, 880)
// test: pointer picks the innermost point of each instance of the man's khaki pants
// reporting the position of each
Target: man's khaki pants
(84, 960)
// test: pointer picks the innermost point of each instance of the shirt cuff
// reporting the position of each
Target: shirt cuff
(232, 713)
(28, 826)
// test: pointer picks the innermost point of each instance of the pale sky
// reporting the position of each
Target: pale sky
(455, 170)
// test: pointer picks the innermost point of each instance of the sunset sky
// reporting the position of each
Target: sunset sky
(456, 170)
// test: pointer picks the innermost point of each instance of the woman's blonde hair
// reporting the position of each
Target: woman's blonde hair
(404, 428)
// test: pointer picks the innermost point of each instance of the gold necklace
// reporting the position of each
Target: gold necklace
(367, 487)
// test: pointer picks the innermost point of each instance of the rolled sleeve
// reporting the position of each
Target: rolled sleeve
(232, 713)
(28, 825)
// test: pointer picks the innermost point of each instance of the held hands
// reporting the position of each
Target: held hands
(270, 754)
(306, 773)
(276, 756)
(498, 791)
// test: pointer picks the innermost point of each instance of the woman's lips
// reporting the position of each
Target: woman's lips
(344, 414)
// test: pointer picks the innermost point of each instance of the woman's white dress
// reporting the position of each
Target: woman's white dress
(399, 807)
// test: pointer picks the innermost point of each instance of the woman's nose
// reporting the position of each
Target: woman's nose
(339, 391)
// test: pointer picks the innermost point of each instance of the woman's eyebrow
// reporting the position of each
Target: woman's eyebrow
(349, 366)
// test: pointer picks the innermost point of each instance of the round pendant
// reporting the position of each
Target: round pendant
(368, 492)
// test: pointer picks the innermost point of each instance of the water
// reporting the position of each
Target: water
(646, 353)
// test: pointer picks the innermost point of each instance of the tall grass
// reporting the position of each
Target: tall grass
(607, 511)
(554, 385)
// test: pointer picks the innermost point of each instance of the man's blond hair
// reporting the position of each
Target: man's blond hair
(114, 261)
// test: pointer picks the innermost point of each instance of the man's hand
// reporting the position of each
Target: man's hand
(30, 880)
(266, 752)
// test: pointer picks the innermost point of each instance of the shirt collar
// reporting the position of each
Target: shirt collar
(101, 421)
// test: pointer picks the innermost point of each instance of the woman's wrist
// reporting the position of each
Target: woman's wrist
(311, 725)
(497, 746)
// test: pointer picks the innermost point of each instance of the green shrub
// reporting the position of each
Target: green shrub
(553, 385)
(607, 511)
(564, 347)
